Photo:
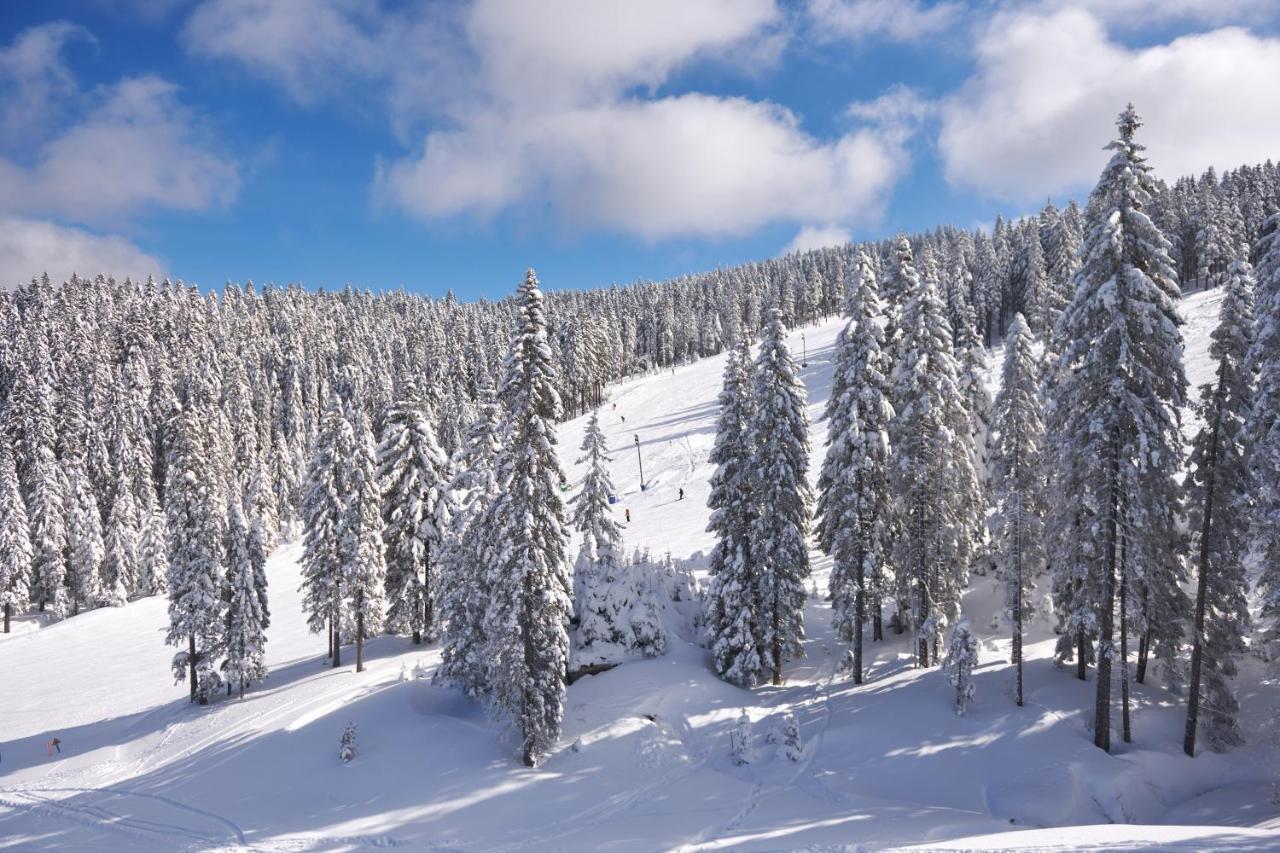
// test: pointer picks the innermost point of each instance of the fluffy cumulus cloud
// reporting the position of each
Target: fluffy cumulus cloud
(687, 165)
(559, 105)
(817, 237)
(1043, 101)
(105, 154)
(30, 247)
(896, 20)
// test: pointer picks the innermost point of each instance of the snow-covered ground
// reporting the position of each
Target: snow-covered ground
(644, 761)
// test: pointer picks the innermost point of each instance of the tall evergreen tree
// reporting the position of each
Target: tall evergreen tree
(120, 562)
(364, 572)
(933, 473)
(779, 537)
(84, 542)
(1017, 526)
(413, 471)
(1217, 485)
(247, 616)
(323, 504)
(468, 553)
(854, 499)
(1121, 385)
(732, 608)
(597, 568)
(195, 558)
(15, 541)
(48, 517)
(530, 591)
(1263, 431)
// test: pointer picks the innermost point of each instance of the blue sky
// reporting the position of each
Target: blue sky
(448, 145)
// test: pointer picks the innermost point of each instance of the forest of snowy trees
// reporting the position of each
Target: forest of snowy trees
(161, 441)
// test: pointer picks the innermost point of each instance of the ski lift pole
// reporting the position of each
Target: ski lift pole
(640, 462)
(804, 361)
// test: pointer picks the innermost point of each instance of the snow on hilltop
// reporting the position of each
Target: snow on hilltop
(645, 760)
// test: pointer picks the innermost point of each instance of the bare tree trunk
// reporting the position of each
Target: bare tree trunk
(1126, 730)
(1202, 588)
(859, 606)
(359, 639)
(1106, 632)
(6, 618)
(191, 664)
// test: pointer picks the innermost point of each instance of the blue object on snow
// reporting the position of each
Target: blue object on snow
(643, 487)
(613, 499)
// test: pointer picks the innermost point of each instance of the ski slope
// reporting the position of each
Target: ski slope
(644, 761)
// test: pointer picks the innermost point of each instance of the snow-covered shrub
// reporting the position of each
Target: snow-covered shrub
(347, 750)
(420, 669)
(741, 748)
(962, 658)
(786, 734)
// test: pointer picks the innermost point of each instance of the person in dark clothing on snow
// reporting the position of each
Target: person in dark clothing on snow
(628, 515)
(681, 494)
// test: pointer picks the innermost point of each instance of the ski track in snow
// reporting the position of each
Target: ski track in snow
(142, 769)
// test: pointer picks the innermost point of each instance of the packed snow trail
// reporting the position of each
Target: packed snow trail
(885, 764)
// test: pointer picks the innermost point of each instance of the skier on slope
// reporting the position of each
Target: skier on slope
(628, 515)
(681, 494)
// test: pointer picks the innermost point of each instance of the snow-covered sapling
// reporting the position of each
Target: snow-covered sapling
(962, 658)
(786, 734)
(741, 747)
(347, 750)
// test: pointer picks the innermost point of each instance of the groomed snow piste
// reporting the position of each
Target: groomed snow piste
(644, 761)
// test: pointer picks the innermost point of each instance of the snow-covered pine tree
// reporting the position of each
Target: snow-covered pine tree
(413, 471)
(153, 558)
(15, 541)
(48, 517)
(932, 466)
(597, 571)
(530, 601)
(324, 501)
(84, 542)
(247, 617)
(195, 557)
(779, 535)
(854, 500)
(971, 359)
(1217, 485)
(1119, 388)
(1017, 524)
(961, 661)
(1263, 431)
(732, 607)
(742, 748)
(467, 554)
(120, 562)
(364, 573)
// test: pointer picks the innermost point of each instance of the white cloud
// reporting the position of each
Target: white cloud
(552, 106)
(817, 237)
(1143, 13)
(687, 165)
(30, 247)
(896, 20)
(35, 82)
(131, 145)
(1043, 101)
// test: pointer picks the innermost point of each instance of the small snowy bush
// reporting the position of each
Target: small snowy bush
(962, 658)
(786, 734)
(740, 747)
(347, 750)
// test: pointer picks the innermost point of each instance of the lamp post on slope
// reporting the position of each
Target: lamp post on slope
(804, 361)
(640, 462)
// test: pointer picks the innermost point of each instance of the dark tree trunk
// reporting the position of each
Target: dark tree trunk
(1126, 730)
(1106, 627)
(1144, 642)
(6, 618)
(191, 664)
(1082, 665)
(359, 640)
(877, 618)
(859, 606)
(1202, 587)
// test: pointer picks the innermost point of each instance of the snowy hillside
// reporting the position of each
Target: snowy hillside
(644, 761)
